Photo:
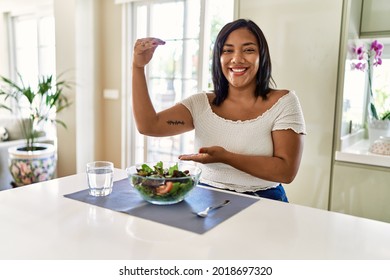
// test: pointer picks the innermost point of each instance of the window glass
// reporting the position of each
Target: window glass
(141, 21)
(26, 45)
(354, 100)
(46, 46)
(34, 48)
(167, 20)
(381, 86)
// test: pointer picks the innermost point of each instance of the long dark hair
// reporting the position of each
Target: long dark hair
(263, 77)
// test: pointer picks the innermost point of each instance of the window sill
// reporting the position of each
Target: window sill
(358, 153)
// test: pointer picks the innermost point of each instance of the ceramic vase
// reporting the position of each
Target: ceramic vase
(378, 128)
(28, 167)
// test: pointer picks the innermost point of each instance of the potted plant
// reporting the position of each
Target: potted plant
(34, 162)
(366, 57)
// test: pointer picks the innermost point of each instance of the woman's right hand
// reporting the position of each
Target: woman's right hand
(144, 49)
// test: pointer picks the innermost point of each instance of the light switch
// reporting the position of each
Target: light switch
(111, 94)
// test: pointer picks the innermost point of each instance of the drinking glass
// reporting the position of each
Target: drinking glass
(100, 176)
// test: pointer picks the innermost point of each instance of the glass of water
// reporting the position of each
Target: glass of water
(100, 176)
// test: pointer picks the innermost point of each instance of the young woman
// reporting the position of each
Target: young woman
(249, 136)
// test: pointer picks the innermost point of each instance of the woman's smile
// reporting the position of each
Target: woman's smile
(238, 70)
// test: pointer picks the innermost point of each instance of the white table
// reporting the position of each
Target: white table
(37, 222)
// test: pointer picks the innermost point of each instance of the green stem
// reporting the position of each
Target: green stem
(374, 113)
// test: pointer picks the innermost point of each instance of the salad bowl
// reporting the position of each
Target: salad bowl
(163, 182)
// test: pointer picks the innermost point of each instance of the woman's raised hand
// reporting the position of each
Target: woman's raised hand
(144, 49)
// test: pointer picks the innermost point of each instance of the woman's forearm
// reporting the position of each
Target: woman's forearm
(143, 110)
(267, 168)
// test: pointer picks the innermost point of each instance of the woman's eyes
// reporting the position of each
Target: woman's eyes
(249, 50)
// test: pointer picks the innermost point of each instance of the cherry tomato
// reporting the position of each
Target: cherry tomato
(163, 189)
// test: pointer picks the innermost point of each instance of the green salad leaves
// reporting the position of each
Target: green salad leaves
(158, 170)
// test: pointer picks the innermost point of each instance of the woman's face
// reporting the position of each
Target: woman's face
(240, 58)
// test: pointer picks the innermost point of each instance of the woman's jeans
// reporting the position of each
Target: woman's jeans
(277, 193)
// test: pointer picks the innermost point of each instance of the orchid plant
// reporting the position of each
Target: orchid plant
(369, 56)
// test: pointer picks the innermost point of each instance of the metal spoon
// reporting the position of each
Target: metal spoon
(205, 212)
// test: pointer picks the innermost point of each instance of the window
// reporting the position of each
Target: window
(182, 66)
(33, 46)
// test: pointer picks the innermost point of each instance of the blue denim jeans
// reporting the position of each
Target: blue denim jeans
(277, 193)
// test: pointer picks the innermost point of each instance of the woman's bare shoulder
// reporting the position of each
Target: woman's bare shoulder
(278, 93)
(275, 94)
(210, 96)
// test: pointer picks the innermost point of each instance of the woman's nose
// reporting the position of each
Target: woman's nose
(238, 57)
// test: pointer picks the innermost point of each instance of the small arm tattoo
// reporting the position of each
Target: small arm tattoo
(170, 122)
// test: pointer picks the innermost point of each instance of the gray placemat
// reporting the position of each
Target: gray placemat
(125, 199)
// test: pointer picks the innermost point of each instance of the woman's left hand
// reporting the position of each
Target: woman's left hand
(206, 155)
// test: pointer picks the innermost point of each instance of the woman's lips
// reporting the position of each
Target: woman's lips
(238, 70)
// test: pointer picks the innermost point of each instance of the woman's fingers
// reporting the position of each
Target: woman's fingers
(194, 157)
(148, 43)
(206, 155)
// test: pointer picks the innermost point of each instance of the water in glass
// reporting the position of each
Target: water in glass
(100, 179)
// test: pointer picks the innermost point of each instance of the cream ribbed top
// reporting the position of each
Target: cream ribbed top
(249, 137)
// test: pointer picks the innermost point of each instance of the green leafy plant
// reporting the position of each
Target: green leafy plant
(385, 116)
(382, 98)
(43, 103)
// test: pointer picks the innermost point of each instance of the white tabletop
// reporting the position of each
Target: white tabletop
(38, 222)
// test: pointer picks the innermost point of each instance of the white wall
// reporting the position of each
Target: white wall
(111, 44)
(88, 72)
(64, 13)
(89, 47)
(303, 37)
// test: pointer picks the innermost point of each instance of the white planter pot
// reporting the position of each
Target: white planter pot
(28, 167)
(378, 128)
